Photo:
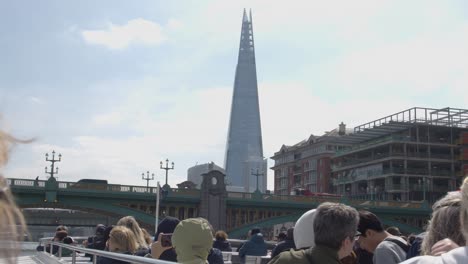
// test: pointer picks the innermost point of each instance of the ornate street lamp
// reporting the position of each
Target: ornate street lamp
(53, 160)
(167, 168)
(147, 178)
(257, 175)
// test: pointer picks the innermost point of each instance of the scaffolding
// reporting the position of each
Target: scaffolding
(447, 117)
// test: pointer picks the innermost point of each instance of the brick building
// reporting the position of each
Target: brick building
(306, 165)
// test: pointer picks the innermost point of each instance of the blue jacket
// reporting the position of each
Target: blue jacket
(256, 246)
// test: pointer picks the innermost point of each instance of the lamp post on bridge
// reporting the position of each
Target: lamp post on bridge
(167, 168)
(147, 178)
(53, 160)
(257, 174)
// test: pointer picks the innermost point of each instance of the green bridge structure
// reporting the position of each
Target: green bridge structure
(235, 212)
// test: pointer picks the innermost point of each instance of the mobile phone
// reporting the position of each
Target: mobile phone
(166, 240)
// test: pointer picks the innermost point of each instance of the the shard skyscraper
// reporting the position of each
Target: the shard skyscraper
(244, 151)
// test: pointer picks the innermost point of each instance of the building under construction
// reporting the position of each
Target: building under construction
(417, 154)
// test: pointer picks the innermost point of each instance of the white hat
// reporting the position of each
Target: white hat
(304, 230)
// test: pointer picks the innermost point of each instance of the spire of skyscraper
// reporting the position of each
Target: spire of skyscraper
(244, 151)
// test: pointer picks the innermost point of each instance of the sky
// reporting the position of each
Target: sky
(118, 86)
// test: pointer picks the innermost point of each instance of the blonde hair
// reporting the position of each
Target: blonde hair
(464, 208)
(444, 223)
(132, 224)
(122, 239)
(147, 236)
(12, 224)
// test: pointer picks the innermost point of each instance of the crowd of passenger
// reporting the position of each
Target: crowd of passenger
(331, 233)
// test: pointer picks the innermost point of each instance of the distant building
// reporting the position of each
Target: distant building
(194, 173)
(417, 154)
(244, 150)
(306, 165)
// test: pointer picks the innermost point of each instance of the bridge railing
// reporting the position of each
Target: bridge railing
(76, 258)
(40, 184)
(195, 193)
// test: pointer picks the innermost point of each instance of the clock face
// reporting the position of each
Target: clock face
(214, 181)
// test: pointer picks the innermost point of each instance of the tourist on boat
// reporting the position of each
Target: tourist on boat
(444, 223)
(12, 223)
(132, 224)
(98, 241)
(221, 241)
(192, 240)
(334, 231)
(444, 251)
(58, 237)
(303, 233)
(386, 247)
(65, 251)
(164, 232)
(286, 244)
(121, 240)
(255, 246)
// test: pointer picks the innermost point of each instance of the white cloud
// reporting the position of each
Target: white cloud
(136, 31)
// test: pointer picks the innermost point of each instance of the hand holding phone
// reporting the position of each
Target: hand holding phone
(163, 243)
(166, 240)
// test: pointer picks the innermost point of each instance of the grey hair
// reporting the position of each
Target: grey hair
(444, 223)
(333, 223)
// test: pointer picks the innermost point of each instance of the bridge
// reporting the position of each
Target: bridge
(235, 212)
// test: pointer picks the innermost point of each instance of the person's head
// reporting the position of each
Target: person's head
(61, 228)
(132, 224)
(335, 226)
(371, 229)
(60, 235)
(255, 231)
(304, 230)
(394, 231)
(281, 236)
(100, 229)
(192, 239)
(221, 235)
(121, 239)
(464, 208)
(12, 224)
(444, 223)
(107, 231)
(166, 226)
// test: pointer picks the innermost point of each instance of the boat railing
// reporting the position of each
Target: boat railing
(76, 250)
